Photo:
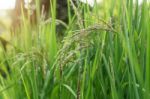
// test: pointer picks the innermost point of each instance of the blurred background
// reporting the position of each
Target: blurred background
(6, 13)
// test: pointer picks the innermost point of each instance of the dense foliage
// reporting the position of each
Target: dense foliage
(104, 53)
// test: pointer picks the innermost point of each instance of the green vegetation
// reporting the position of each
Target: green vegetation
(104, 53)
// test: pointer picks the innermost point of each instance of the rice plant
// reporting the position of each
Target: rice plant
(101, 52)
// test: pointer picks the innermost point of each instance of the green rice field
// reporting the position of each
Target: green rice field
(103, 52)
